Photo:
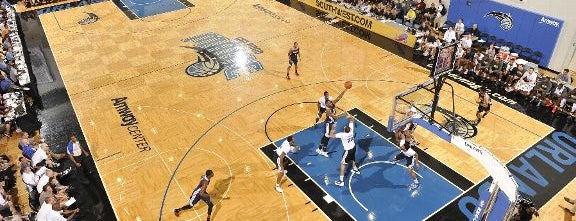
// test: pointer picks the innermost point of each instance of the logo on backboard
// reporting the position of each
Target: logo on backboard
(217, 53)
(90, 19)
(505, 19)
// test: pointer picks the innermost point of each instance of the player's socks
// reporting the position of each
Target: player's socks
(416, 181)
(341, 178)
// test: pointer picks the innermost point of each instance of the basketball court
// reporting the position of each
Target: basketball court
(157, 110)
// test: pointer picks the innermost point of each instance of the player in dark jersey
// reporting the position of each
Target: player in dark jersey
(329, 123)
(199, 194)
(293, 56)
(484, 103)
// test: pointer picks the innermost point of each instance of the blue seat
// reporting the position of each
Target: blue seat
(536, 57)
(517, 49)
(526, 53)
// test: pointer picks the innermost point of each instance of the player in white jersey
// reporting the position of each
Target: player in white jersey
(322, 105)
(286, 146)
(406, 152)
(347, 138)
(329, 124)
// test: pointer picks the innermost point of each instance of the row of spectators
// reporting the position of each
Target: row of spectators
(407, 12)
(496, 66)
(52, 180)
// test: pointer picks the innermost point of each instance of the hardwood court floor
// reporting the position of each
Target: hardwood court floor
(192, 124)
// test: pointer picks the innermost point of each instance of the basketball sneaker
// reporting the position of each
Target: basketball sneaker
(339, 183)
(413, 186)
(356, 171)
(322, 153)
(279, 189)
(177, 212)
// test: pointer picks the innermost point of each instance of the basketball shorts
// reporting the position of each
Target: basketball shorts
(483, 109)
(197, 197)
(349, 156)
(410, 161)
(293, 61)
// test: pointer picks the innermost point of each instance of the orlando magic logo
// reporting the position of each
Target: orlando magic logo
(217, 53)
(505, 19)
(90, 19)
(459, 126)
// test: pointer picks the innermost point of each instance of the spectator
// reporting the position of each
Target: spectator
(541, 90)
(474, 31)
(410, 16)
(24, 162)
(431, 13)
(28, 151)
(569, 97)
(5, 200)
(466, 42)
(5, 83)
(441, 14)
(450, 35)
(564, 77)
(459, 28)
(30, 179)
(47, 192)
(526, 82)
(421, 7)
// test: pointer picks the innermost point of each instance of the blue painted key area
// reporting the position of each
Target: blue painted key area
(145, 8)
(381, 191)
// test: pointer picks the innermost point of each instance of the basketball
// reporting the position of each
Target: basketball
(348, 84)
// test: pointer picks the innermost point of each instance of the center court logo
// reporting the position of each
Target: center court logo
(218, 53)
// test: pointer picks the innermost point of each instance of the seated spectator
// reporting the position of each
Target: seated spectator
(542, 90)
(5, 200)
(459, 28)
(410, 16)
(526, 82)
(466, 41)
(495, 69)
(513, 76)
(564, 77)
(6, 84)
(430, 14)
(570, 97)
(474, 31)
(421, 6)
(450, 35)
(50, 212)
(29, 178)
(28, 151)
(24, 162)
(47, 192)
(491, 52)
